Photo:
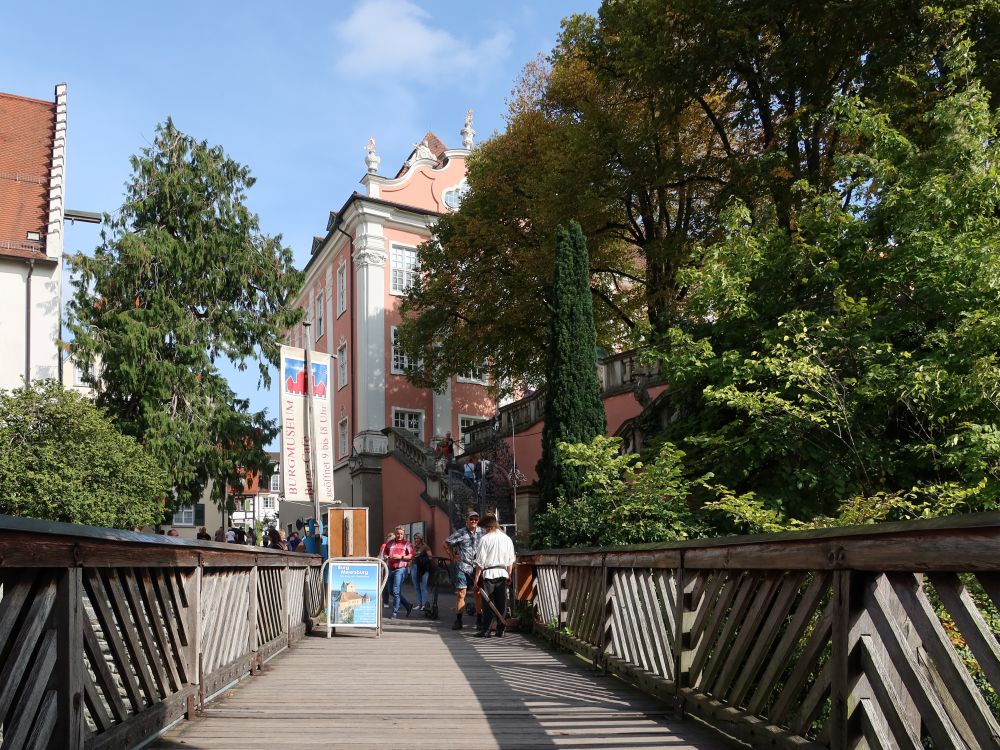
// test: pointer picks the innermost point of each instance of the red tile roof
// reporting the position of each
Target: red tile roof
(27, 132)
(437, 147)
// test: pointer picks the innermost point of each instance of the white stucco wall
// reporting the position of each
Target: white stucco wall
(46, 283)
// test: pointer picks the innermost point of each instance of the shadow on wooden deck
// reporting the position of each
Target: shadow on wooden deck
(423, 685)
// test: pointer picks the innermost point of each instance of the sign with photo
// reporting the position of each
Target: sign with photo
(296, 456)
(354, 594)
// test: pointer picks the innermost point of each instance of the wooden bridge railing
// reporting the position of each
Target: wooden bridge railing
(106, 637)
(880, 636)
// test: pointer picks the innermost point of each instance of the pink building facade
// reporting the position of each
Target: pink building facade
(354, 285)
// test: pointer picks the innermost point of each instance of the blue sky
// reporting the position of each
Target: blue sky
(293, 92)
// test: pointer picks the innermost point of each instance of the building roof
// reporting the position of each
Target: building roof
(27, 142)
(337, 216)
(437, 147)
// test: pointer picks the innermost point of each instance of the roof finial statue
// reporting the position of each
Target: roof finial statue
(372, 160)
(423, 150)
(467, 132)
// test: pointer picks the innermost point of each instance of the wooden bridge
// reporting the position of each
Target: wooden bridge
(882, 636)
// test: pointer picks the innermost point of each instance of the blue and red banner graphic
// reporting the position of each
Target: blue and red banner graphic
(306, 455)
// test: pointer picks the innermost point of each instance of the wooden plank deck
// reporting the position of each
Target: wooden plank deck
(423, 685)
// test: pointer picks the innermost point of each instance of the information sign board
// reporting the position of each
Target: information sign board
(354, 589)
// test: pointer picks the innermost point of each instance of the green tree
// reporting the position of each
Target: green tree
(574, 412)
(182, 279)
(578, 145)
(62, 459)
(621, 500)
(849, 368)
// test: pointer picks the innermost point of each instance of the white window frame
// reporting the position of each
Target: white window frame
(405, 364)
(319, 315)
(79, 373)
(396, 410)
(470, 417)
(267, 503)
(407, 275)
(461, 188)
(341, 289)
(343, 438)
(342, 371)
(180, 514)
(470, 376)
(274, 485)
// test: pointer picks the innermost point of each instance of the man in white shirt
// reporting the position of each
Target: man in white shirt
(494, 561)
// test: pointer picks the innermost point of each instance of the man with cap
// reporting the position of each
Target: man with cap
(463, 545)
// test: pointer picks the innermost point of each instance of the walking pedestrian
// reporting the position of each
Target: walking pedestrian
(463, 545)
(494, 561)
(420, 569)
(398, 554)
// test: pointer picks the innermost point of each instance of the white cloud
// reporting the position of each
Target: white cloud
(395, 40)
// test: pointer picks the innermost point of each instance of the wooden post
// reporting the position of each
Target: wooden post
(68, 620)
(286, 610)
(839, 654)
(252, 619)
(604, 635)
(682, 633)
(561, 579)
(192, 584)
(196, 603)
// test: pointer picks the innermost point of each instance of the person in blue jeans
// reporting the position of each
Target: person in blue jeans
(398, 556)
(420, 569)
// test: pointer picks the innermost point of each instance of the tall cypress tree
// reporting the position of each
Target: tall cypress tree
(574, 412)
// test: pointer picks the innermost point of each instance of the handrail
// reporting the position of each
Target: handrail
(108, 636)
(808, 639)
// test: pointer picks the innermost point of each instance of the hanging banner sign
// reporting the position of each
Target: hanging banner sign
(296, 457)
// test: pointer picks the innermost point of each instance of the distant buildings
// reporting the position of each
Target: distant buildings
(32, 212)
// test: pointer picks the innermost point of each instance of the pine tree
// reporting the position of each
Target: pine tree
(574, 412)
(184, 277)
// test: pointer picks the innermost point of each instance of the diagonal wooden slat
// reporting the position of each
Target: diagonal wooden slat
(962, 699)
(45, 723)
(666, 585)
(748, 634)
(709, 638)
(108, 684)
(733, 620)
(618, 644)
(94, 585)
(640, 617)
(131, 628)
(173, 620)
(917, 685)
(23, 720)
(629, 632)
(175, 600)
(16, 667)
(809, 709)
(789, 642)
(974, 629)
(704, 605)
(991, 585)
(160, 646)
(16, 590)
(806, 663)
(656, 624)
(872, 732)
(212, 618)
(768, 633)
(889, 704)
(95, 705)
